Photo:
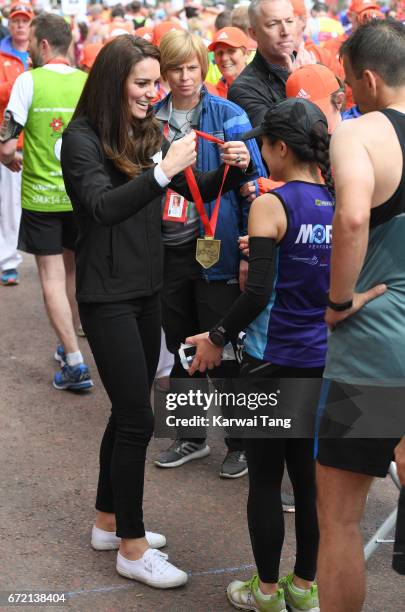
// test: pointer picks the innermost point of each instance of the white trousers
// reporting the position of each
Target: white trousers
(10, 215)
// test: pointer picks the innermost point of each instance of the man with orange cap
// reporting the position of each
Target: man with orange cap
(13, 61)
(318, 84)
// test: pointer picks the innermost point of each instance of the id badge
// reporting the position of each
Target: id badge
(175, 208)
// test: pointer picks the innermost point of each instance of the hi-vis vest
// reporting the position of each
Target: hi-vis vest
(54, 101)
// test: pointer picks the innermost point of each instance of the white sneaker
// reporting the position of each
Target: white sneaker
(152, 569)
(107, 540)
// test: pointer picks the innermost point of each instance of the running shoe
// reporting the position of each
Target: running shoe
(234, 465)
(75, 378)
(9, 277)
(247, 596)
(180, 452)
(302, 600)
(60, 355)
(153, 569)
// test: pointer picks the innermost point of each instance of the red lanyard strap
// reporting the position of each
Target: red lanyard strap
(209, 224)
(59, 60)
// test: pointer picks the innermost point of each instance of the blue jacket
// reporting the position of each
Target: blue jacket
(6, 46)
(226, 121)
(352, 113)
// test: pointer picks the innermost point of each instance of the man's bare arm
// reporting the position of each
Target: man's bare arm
(354, 180)
(354, 177)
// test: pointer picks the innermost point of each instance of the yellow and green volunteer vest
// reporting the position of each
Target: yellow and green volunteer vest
(54, 100)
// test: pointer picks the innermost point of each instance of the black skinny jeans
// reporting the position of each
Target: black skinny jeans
(125, 340)
(266, 459)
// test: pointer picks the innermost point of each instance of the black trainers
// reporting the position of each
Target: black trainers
(234, 465)
(180, 452)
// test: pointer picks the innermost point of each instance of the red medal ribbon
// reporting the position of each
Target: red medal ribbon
(59, 60)
(209, 224)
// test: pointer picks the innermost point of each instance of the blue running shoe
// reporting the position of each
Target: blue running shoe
(9, 277)
(75, 378)
(60, 355)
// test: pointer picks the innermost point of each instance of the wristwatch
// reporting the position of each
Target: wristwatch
(217, 336)
(339, 307)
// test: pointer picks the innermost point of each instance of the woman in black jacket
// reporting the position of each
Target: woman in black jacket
(116, 166)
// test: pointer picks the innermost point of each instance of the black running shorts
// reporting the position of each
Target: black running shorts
(43, 233)
(370, 456)
(359, 426)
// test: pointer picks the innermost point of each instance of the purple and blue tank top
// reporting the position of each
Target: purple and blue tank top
(291, 330)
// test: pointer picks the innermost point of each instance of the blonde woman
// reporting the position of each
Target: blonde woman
(194, 297)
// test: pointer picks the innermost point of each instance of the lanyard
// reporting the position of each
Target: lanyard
(59, 60)
(209, 224)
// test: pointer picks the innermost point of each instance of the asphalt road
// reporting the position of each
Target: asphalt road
(49, 453)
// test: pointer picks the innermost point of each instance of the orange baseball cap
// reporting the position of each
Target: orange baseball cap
(233, 37)
(146, 33)
(299, 8)
(89, 54)
(356, 6)
(369, 13)
(21, 9)
(313, 82)
(163, 28)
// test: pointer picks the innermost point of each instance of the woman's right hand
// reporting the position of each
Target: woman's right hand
(181, 154)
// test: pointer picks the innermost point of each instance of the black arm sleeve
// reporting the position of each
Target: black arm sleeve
(258, 288)
(9, 128)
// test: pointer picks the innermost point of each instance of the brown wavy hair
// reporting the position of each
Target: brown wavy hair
(128, 142)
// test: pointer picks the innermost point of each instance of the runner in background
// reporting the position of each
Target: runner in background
(13, 61)
(359, 12)
(48, 229)
(321, 54)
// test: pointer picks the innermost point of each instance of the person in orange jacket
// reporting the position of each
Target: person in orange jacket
(321, 55)
(13, 60)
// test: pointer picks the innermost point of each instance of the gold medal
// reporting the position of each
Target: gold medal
(207, 251)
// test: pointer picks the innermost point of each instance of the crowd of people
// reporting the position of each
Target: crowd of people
(178, 172)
